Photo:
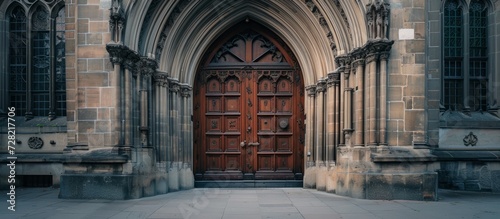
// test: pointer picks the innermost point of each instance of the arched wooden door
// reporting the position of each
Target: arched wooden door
(248, 109)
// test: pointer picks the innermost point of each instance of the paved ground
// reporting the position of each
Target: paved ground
(251, 203)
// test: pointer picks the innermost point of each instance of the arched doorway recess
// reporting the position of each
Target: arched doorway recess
(248, 108)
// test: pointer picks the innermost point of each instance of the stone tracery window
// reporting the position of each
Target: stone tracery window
(37, 81)
(465, 59)
(17, 60)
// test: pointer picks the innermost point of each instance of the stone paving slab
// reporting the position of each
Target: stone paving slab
(273, 203)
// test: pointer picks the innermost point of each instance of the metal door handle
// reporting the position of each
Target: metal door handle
(253, 144)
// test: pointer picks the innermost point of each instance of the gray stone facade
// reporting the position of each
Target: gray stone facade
(372, 69)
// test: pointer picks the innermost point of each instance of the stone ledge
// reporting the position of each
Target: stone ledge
(34, 158)
(65, 158)
(401, 154)
(464, 155)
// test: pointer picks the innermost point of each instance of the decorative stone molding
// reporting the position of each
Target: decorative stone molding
(35, 142)
(321, 86)
(330, 79)
(185, 90)
(322, 21)
(147, 66)
(116, 52)
(311, 90)
(174, 85)
(116, 20)
(130, 60)
(377, 16)
(470, 139)
(161, 79)
(181, 5)
(344, 16)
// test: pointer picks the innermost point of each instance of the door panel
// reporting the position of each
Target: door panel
(248, 113)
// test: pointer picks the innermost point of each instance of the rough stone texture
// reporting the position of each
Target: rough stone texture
(97, 186)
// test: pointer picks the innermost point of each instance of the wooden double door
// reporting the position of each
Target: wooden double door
(248, 115)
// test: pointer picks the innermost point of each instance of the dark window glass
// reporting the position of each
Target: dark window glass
(41, 62)
(478, 77)
(17, 60)
(60, 68)
(453, 56)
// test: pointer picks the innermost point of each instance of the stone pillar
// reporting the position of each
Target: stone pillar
(320, 121)
(383, 98)
(173, 173)
(330, 123)
(359, 106)
(371, 96)
(311, 92)
(336, 94)
(186, 173)
(341, 106)
(130, 61)
(161, 126)
(116, 52)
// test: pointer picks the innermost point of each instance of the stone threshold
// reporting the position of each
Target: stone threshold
(247, 183)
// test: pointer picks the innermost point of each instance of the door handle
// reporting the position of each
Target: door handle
(244, 143)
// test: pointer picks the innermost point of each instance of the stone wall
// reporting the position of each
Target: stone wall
(93, 86)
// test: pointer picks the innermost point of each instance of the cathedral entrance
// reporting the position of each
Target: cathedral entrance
(248, 109)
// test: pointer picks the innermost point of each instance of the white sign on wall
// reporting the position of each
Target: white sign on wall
(406, 34)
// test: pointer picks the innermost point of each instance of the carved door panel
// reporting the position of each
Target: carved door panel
(275, 124)
(221, 125)
(248, 112)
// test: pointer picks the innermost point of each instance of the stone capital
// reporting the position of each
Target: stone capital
(146, 66)
(161, 79)
(321, 86)
(116, 52)
(311, 90)
(185, 90)
(175, 86)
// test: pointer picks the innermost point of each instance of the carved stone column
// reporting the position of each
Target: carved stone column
(161, 124)
(336, 94)
(186, 124)
(320, 119)
(116, 52)
(311, 93)
(147, 70)
(173, 173)
(330, 121)
(359, 106)
(371, 97)
(383, 98)
(174, 118)
(130, 60)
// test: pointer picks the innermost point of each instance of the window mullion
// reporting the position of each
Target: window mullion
(29, 69)
(52, 95)
(466, 62)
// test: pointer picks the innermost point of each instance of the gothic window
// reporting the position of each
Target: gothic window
(478, 76)
(17, 60)
(453, 56)
(465, 72)
(37, 81)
